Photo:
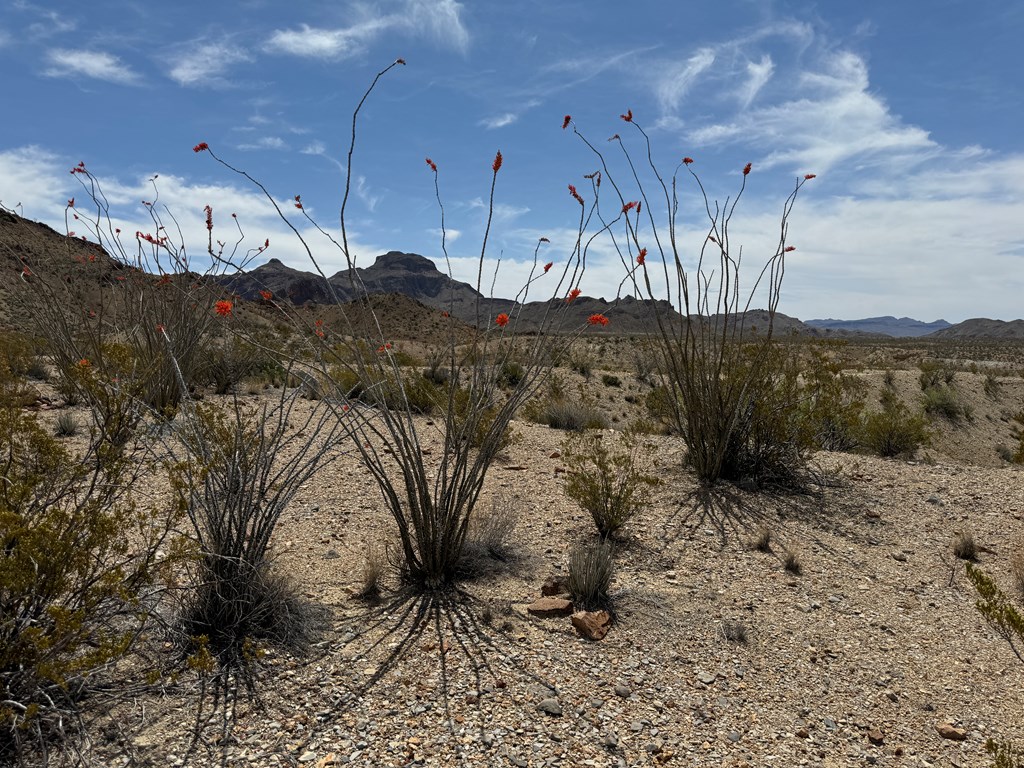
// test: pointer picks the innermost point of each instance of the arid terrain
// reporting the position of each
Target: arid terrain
(718, 654)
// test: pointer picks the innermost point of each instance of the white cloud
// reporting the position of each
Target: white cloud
(314, 148)
(35, 178)
(758, 74)
(369, 199)
(503, 212)
(437, 19)
(499, 121)
(673, 81)
(266, 142)
(96, 64)
(451, 235)
(204, 63)
(54, 24)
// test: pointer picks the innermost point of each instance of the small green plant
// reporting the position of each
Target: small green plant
(935, 374)
(609, 380)
(942, 400)
(964, 546)
(894, 430)
(67, 425)
(590, 575)
(734, 631)
(1008, 622)
(611, 484)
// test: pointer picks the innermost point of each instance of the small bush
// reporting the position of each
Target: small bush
(893, 431)
(374, 565)
(511, 374)
(590, 575)
(993, 387)
(610, 381)
(791, 562)
(934, 374)
(734, 631)
(609, 484)
(570, 415)
(762, 540)
(67, 425)
(943, 401)
(489, 537)
(584, 366)
(964, 546)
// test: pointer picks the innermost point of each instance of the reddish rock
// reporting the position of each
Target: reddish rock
(949, 731)
(593, 625)
(554, 585)
(550, 606)
(803, 733)
(876, 737)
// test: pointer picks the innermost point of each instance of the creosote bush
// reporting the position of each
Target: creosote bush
(894, 430)
(964, 546)
(77, 560)
(610, 482)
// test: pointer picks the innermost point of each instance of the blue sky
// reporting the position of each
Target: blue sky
(910, 114)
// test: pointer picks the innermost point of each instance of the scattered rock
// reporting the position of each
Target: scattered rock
(555, 455)
(554, 585)
(899, 556)
(803, 733)
(307, 757)
(550, 707)
(876, 737)
(950, 731)
(550, 606)
(593, 625)
(623, 690)
(706, 677)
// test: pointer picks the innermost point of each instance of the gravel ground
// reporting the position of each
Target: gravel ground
(860, 659)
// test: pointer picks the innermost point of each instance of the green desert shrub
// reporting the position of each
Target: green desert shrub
(943, 401)
(611, 483)
(831, 405)
(894, 430)
(76, 558)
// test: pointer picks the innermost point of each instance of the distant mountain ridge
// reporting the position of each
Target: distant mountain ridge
(888, 325)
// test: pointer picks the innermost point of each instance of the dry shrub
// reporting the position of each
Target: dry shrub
(762, 540)
(964, 546)
(894, 430)
(791, 561)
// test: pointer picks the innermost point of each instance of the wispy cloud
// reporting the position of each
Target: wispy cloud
(503, 212)
(675, 79)
(451, 235)
(265, 142)
(364, 193)
(499, 121)
(439, 20)
(758, 74)
(834, 119)
(203, 63)
(66, 62)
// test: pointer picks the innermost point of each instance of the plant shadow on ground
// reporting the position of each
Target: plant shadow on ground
(477, 656)
(733, 515)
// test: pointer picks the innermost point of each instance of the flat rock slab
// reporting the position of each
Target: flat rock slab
(550, 606)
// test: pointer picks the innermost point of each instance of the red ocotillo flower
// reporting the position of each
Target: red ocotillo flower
(202, 146)
(432, 164)
(641, 257)
(566, 121)
(628, 117)
(223, 307)
(266, 295)
(209, 218)
(630, 206)
(746, 168)
(496, 165)
(789, 249)
(548, 266)
(298, 202)
(597, 319)
(501, 320)
(573, 294)
(687, 160)
(809, 176)
(575, 194)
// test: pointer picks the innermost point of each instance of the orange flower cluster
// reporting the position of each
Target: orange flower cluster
(641, 257)
(496, 165)
(223, 307)
(746, 168)
(384, 347)
(573, 294)
(266, 295)
(687, 160)
(597, 319)
(566, 121)
(298, 202)
(628, 117)
(202, 146)
(575, 194)
(432, 164)
(548, 266)
(501, 320)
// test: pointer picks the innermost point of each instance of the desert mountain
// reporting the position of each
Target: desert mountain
(886, 326)
(983, 328)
